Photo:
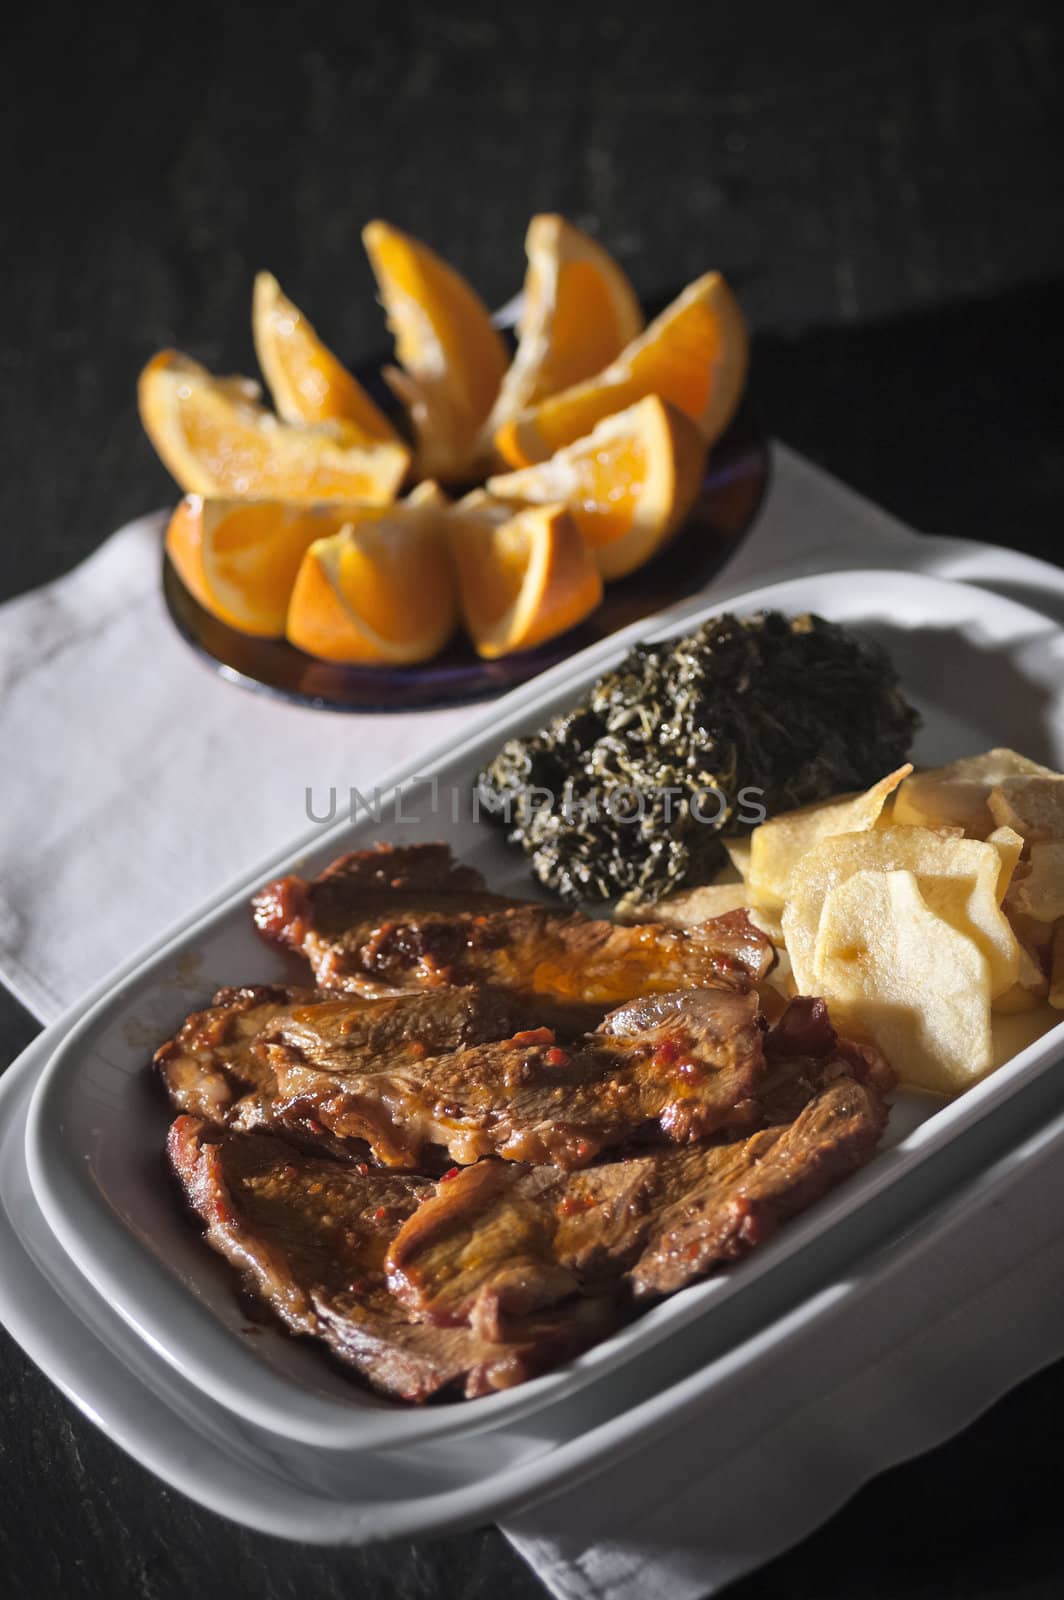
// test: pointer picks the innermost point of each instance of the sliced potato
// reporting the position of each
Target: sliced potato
(1033, 806)
(688, 906)
(1031, 987)
(1009, 846)
(1040, 893)
(767, 921)
(958, 879)
(898, 972)
(1056, 968)
(779, 844)
(738, 849)
(957, 794)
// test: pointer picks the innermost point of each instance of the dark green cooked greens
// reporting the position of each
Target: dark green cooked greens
(630, 792)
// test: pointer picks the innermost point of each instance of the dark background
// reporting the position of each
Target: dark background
(883, 187)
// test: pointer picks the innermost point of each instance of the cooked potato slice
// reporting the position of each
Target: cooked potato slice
(738, 850)
(1033, 806)
(957, 794)
(768, 921)
(958, 879)
(779, 844)
(1040, 893)
(688, 906)
(1031, 987)
(1009, 846)
(894, 969)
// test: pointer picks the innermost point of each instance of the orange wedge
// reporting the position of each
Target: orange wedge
(694, 355)
(452, 359)
(628, 485)
(523, 575)
(381, 590)
(579, 312)
(240, 557)
(307, 382)
(217, 440)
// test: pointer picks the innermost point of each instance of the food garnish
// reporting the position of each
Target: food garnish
(451, 358)
(694, 355)
(629, 484)
(217, 439)
(686, 735)
(307, 382)
(631, 413)
(524, 573)
(380, 589)
(578, 312)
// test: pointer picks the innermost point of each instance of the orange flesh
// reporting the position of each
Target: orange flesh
(243, 567)
(327, 391)
(472, 351)
(583, 340)
(609, 484)
(377, 583)
(693, 357)
(242, 460)
(258, 553)
(495, 575)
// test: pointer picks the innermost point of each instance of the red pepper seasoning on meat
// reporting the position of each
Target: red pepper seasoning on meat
(666, 1053)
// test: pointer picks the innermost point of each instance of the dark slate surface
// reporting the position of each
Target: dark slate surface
(882, 185)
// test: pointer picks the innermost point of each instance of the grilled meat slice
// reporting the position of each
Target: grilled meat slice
(401, 918)
(740, 1199)
(309, 1237)
(210, 1067)
(500, 1241)
(678, 1066)
(215, 1066)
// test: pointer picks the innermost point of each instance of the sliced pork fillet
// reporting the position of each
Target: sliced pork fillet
(309, 1236)
(401, 918)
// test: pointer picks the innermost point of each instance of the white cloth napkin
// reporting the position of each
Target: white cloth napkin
(137, 781)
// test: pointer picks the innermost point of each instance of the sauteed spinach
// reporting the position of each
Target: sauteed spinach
(630, 793)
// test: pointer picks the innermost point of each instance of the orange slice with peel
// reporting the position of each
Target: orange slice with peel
(307, 382)
(524, 575)
(629, 484)
(239, 558)
(381, 590)
(452, 358)
(694, 355)
(579, 313)
(217, 440)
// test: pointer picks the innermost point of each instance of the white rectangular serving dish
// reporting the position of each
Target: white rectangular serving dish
(983, 670)
(354, 1497)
